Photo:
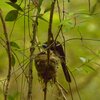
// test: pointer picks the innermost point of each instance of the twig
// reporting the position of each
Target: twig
(85, 39)
(45, 91)
(71, 94)
(61, 90)
(57, 83)
(32, 48)
(76, 85)
(50, 35)
(9, 57)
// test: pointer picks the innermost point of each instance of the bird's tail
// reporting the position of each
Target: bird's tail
(66, 73)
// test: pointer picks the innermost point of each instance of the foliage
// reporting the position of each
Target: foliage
(74, 24)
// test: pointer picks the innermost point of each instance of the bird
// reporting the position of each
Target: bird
(57, 49)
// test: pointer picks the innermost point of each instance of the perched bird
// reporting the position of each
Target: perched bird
(57, 49)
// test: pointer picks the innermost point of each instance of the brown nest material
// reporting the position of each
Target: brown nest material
(46, 72)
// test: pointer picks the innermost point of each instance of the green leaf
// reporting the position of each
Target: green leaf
(16, 6)
(11, 15)
(88, 68)
(43, 19)
(13, 61)
(79, 69)
(67, 22)
(15, 45)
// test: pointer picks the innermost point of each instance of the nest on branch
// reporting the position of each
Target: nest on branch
(46, 71)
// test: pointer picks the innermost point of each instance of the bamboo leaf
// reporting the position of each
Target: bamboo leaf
(15, 45)
(88, 68)
(11, 15)
(16, 6)
(43, 19)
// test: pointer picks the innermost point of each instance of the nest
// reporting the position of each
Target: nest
(46, 72)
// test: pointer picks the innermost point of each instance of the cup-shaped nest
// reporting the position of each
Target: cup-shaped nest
(46, 69)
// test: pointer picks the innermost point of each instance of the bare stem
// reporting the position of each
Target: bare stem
(45, 91)
(9, 56)
(33, 40)
(50, 35)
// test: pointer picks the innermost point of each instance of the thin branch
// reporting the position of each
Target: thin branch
(60, 28)
(50, 35)
(80, 39)
(61, 91)
(45, 91)
(9, 56)
(32, 48)
(57, 83)
(75, 86)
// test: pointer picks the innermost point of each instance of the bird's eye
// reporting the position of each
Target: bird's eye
(44, 45)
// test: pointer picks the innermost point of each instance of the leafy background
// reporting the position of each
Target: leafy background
(82, 49)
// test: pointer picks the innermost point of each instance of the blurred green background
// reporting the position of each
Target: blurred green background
(82, 34)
